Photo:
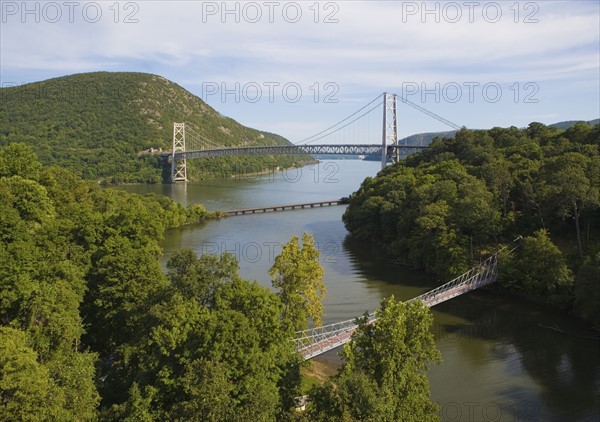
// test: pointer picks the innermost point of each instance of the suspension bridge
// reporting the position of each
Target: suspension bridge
(318, 340)
(189, 144)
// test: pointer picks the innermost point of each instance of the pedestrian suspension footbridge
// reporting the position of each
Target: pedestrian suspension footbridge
(318, 340)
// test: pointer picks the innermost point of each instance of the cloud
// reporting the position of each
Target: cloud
(374, 46)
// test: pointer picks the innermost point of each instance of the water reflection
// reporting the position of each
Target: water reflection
(545, 375)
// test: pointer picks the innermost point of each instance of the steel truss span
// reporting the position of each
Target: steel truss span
(361, 149)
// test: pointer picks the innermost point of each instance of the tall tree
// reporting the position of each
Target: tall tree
(537, 268)
(587, 290)
(18, 159)
(572, 187)
(298, 275)
(384, 377)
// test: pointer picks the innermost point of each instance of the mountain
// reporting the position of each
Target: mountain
(112, 126)
(568, 123)
(424, 139)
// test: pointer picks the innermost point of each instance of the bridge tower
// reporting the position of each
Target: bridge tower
(390, 128)
(178, 167)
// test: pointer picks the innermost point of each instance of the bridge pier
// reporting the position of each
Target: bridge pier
(390, 129)
(178, 165)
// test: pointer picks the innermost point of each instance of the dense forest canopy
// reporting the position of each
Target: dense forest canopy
(447, 207)
(103, 125)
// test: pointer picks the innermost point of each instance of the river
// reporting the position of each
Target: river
(502, 359)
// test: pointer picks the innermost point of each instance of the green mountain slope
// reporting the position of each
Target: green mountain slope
(103, 126)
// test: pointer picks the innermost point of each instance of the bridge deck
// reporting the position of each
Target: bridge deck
(355, 149)
(343, 337)
(285, 207)
(318, 340)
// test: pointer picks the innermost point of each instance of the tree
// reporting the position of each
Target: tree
(28, 198)
(299, 276)
(434, 217)
(538, 268)
(30, 390)
(384, 377)
(587, 290)
(18, 159)
(26, 390)
(124, 282)
(571, 187)
(199, 278)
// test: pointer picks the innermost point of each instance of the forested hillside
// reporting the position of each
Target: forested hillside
(102, 126)
(447, 207)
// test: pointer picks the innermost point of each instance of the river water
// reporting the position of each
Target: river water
(503, 359)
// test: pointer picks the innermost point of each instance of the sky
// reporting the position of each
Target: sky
(295, 68)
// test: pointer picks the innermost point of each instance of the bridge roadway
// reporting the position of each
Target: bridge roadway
(285, 207)
(318, 340)
(358, 149)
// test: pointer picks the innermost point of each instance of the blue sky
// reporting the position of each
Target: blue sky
(479, 64)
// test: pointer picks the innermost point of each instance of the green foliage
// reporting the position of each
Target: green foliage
(443, 209)
(199, 278)
(137, 409)
(18, 160)
(426, 216)
(571, 184)
(217, 348)
(298, 275)
(26, 389)
(31, 390)
(75, 259)
(587, 290)
(112, 126)
(124, 280)
(384, 377)
(539, 269)
(197, 344)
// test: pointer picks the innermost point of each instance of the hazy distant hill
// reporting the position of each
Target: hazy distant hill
(567, 124)
(423, 139)
(419, 139)
(103, 124)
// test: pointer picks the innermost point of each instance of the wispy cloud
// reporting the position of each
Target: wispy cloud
(374, 46)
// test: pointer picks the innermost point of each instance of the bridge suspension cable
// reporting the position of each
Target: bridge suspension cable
(429, 113)
(334, 128)
(198, 141)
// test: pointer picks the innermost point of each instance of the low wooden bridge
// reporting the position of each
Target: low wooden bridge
(287, 207)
